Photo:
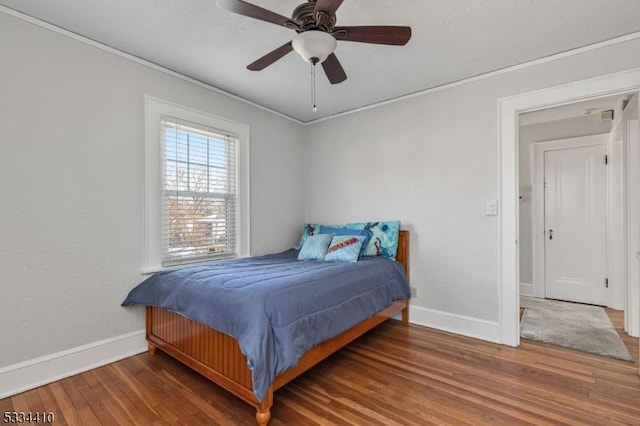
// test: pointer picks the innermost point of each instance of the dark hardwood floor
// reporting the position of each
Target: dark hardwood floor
(391, 376)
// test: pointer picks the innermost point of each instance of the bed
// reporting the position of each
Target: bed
(215, 354)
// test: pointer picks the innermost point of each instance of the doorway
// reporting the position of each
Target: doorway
(510, 110)
(576, 239)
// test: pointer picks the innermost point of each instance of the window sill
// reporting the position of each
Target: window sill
(155, 269)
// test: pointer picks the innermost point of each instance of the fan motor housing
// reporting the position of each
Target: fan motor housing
(305, 16)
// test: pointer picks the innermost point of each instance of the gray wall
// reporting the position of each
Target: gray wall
(71, 179)
(432, 162)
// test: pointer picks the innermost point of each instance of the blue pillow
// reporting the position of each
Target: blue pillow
(315, 247)
(309, 229)
(384, 239)
(345, 231)
(344, 248)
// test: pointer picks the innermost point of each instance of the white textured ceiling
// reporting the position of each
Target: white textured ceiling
(452, 40)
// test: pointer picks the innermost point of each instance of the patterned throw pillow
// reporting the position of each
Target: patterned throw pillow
(315, 247)
(309, 229)
(342, 230)
(344, 248)
(384, 239)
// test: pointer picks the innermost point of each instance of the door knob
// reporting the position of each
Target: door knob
(551, 234)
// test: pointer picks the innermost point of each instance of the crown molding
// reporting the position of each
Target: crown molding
(550, 58)
(424, 92)
(139, 60)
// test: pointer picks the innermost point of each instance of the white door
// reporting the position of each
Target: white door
(575, 224)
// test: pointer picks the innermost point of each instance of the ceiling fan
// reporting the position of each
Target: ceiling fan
(317, 34)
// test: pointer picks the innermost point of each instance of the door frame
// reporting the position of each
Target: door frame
(508, 111)
(633, 226)
(537, 200)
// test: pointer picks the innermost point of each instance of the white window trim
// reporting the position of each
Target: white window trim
(155, 109)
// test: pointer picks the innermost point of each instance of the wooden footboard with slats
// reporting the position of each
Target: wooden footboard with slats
(217, 356)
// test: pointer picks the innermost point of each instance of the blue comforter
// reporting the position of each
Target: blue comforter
(275, 306)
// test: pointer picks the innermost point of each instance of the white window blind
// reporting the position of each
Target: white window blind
(199, 192)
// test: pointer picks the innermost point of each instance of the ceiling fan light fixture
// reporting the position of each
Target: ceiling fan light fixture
(314, 46)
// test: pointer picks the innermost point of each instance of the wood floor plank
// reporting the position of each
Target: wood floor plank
(50, 405)
(64, 404)
(76, 388)
(109, 397)
(19, 403)
(205, 409)
(454, 389)
(33, 401)
(6, 406)
(393, 375)
(88, 417)
(128, 398)
(98, 399)
(236, 411)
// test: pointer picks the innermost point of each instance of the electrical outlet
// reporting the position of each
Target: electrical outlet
(414, 291)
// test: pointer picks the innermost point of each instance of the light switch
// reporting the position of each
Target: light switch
(492, 208)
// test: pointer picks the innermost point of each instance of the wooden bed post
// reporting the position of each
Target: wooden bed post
(403, 257)
(405, 315)
(263, 411)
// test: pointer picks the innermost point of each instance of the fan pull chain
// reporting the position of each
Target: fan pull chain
(313, 85)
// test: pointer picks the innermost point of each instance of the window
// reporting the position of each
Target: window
(199, 192)
(196, 186)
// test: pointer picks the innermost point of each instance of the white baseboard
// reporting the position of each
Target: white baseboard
(527, 289)
(36, 372)
(453, 323)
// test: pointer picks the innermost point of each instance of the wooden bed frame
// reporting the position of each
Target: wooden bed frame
(217, 356)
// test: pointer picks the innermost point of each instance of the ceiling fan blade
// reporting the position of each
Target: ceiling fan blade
(252, 11)
(270, 57)
(396, 36)
(334, 71)
(327, 6)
